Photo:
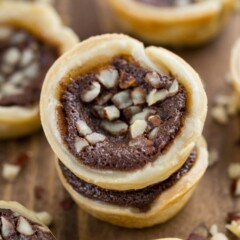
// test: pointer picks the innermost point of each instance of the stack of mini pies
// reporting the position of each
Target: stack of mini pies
(125, 123)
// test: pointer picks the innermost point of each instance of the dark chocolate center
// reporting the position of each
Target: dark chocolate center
(122, 151)
(24, 61)
(13, 221)
(141, 199)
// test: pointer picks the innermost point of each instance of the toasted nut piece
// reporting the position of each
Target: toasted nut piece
(32, 70)
(213, 157)
(10, 171)
(95, 138)
(12, 56)
(219, 113)
(5, 32)
(83, 128)
(126, 81)
(115, 128)
(16, 78)
(234, 170)
(173, 88)
(138, 128)
(92, 93)
(154, 79)
(130, 111)
(44, 217)
(122, 99)
(234, 227)
(104, 98)
(111, 113)
(24, 227)
(153, 134)
(140, 141)
(154, 121)
(10, 89)
(138, 96)
(7, 227)
(156, 96)
(216, 235)
(141, 115)
(27, 57)
(80, 144)
(108, 77)
(235, 188)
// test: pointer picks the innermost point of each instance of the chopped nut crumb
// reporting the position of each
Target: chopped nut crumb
(234, 170)
(216, 235)
(213, 157)
(234, 228)
(10, 171)
(219, 113)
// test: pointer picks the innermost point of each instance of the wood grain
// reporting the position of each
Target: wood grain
(38, 187)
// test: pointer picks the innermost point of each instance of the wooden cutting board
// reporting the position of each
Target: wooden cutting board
(38, 187)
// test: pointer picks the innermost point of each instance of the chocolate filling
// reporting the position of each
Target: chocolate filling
(10, 220)
(166, 3)
(24, 62)
(121, 152)
(141, 199)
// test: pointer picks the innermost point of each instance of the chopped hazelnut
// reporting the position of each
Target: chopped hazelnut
(138, 128)
(115, 128)
(91, 93)
(108, 77)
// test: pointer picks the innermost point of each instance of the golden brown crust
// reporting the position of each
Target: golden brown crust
(176, 26)
(41, 20)
(101, 49)
(167, 205)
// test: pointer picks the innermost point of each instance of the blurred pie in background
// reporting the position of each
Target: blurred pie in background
(29, 45)
(172, 22)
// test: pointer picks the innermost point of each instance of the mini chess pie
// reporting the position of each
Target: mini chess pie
(32, 37)
(172, 22)
(17, 222)
(143, 207)
(120, 116)
(235, 66)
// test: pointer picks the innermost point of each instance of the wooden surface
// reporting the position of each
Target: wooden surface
(38, 187)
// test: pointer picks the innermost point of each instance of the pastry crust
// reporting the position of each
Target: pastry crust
(176, 26)
(235, 66)
(101, 49)
(169, 203)
(16, 207)
(43, 22)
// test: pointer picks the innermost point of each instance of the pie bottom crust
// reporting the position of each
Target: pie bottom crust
(167, 205)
